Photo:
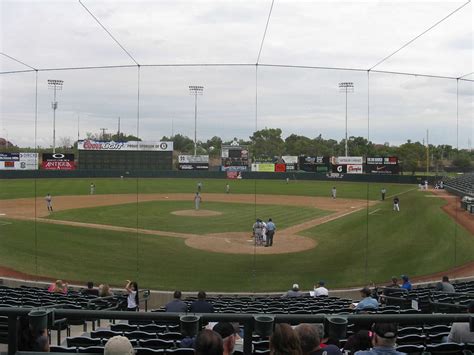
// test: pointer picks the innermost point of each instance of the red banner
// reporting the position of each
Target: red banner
(58, 165)
(280, 168)
(234, 175)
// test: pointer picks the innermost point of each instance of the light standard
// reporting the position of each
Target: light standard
(346, 87)
(195, 90)
(55, 85)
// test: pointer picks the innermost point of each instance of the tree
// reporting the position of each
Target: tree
(267, 143)
(462, 161)
(65, 142)
(123, 137)
(410, 155)
(181, 143)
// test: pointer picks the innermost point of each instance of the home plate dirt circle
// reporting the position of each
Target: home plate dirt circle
(242, 243)
(196, 213)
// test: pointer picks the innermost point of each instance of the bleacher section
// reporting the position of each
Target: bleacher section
(461, 186)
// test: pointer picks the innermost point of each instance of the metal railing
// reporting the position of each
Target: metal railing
(247, 320)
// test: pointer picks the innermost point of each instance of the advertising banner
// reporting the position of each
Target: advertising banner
(234, 175)
(382, 165)
(290, 159)
(354, 169)
(18, 161)
(58, 161)
(314, 164)
(347, 160)
(193, 162)
(123, 146)
(234, 158)
(340, 169)
(280, 168)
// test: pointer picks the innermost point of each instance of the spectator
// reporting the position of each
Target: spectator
(208, 342)
(30, 339)
(176, 305)
(362, 340)
(320, 290)
(460, 331)
(90, 290)
(201, 305)
(132, 298)
(406, 283)
(310, 341)
(284, 341)
(389, 289)
(104, 290)
(58, 287)
(294, 292)
(445, 285)
(227, 332)
(118, 345)
(384, 337)
(367, 303)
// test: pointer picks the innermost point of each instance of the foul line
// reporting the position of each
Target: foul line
(404, 192)
(378, 209)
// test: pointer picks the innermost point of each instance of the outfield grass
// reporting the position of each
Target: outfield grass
(16, 188)
(236, 217)
(421, 239)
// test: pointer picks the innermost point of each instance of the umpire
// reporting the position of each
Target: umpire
(270, 232)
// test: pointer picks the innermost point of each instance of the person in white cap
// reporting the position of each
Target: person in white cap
(294, 292)
(118, 345)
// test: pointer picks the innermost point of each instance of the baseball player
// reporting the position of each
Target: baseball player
(258, 232)
(333, 192)
(383, 192)
(197, 201)
(49, 202)
(287, 180)
(92, 188)
(199, 186)
(396, 204)
(227, 188)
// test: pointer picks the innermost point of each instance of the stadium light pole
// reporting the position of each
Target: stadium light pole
(195, 90)
(346, 87)
(55, 85)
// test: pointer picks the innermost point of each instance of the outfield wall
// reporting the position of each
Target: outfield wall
(48, 174)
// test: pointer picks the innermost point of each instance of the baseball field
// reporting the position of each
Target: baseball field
(148, 230)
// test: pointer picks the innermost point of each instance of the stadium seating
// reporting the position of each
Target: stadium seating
(462, 185)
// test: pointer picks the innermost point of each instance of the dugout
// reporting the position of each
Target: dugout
(125, 156)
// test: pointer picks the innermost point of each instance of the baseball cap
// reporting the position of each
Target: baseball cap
(366, 291)
(385, 330)
(296, 287)
(225, 329)
(405, 277)
(321, 282)
(118, 345)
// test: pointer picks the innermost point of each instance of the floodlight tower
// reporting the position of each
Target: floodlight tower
(195, 90)
(55, 85)
(346, 87)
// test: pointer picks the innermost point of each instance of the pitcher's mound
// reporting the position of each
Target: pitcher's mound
(196, 213)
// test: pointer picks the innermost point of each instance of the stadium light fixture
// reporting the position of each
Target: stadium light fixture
(195, 90)
(346, 87)
(55, 85)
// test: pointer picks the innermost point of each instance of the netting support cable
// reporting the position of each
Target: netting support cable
(137, 184)
(108, 32)
(368, 186)
(17, 60)
(36, 149)
(463, 76)
(265, 31)
(421, 34)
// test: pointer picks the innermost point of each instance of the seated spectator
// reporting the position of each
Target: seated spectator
(460, 331)
(406, 283)
(90, 290)
(384, 337)
(201, 305)
(208, 342)
(445, 285)
(176, 305)
(320, 290)
(310, 341)
(367, 303)
(30, 339)
(104, 290)
(118, 345)
(362, 340)
(390, 288)
(294, 292)
(227, 332)
(58, 287)
(284, 341)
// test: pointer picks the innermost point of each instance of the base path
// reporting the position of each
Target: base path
(285, 241)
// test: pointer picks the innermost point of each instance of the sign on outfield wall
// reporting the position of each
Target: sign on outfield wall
(313, 164)
(193, 162)
(347, 160)
(18, 161)
(58, 161)
(354, 169)
(122, 146)
(382, 160)
(263, 167)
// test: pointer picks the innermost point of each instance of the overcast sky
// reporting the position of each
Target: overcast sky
(237, 99)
